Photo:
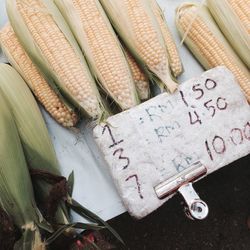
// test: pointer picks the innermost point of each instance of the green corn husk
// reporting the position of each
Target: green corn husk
(117, 12)
(91, 46)
(38, 149)
(232, 26)
(96, 108)
(37, 145)
(16, 193)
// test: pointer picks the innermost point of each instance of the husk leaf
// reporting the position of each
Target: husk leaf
(17, 198)
(119, 20)
(31, 239)
(203, 12)
(231, 26)
(73, 19)
(35, 139)
(159, 12)
(37, 57)
(13, 62)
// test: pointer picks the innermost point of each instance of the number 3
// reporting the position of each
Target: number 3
(120, 151)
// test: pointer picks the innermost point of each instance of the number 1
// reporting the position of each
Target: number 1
(115, 143)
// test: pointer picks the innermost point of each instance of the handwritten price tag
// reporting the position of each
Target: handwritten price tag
(208, 120)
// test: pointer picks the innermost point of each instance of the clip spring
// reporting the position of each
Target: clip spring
(197, 208)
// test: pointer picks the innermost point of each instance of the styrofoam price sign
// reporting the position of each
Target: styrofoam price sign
(207, 120)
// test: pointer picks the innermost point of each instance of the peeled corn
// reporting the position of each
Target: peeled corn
(52, 101)
(102, 49)
(233, 18)
(140, 79)
(135, 23)
(50, 44)
(173, 54)
(207, 43)
(16, 192)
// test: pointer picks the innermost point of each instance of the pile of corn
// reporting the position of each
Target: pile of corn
(69, 56)
(74, 54)
(72, 58)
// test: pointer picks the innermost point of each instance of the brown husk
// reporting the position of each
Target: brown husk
(8, 231)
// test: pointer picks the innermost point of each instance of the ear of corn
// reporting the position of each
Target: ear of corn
(17, 197)
(37, 146)
(102, 49)
(49, 42)
(173, 54)
(135, 23)
(207, 43)
(140, 78)
(233, 18)
(53, 102)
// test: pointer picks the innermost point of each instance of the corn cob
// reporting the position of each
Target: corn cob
(173, 54)
(233, 18)
(102, 48)
(17, 198)
(19, 59)
(49, 42)
(140, 79)
(207, 43)
(32, 130)
(138, 28)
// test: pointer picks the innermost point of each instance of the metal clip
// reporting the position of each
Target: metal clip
(197, 208)
(182, 183)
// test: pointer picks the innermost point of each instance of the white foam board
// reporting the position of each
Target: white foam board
(207, 120)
